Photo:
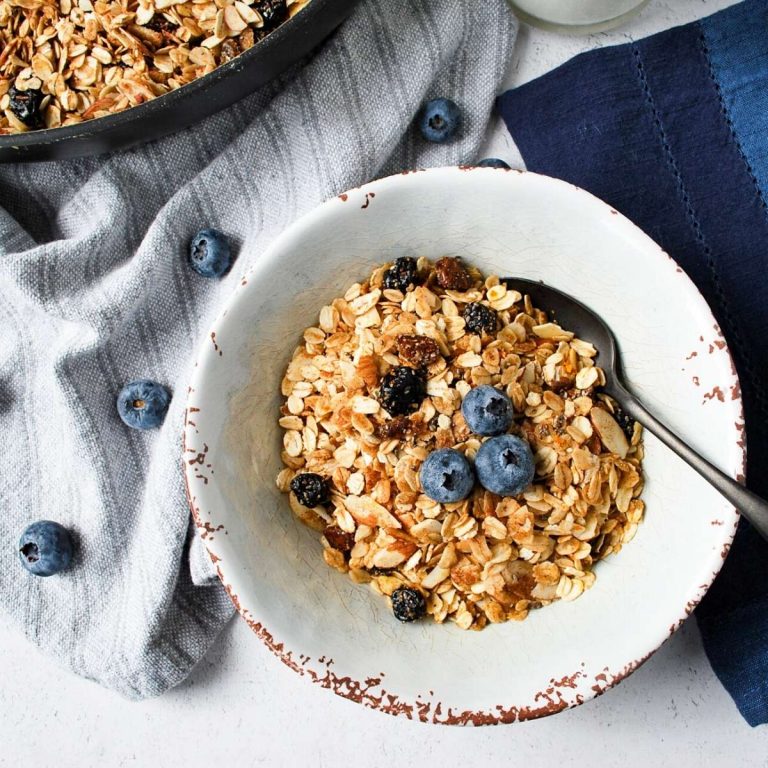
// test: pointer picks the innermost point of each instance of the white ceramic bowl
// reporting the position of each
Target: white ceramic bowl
(342, 636)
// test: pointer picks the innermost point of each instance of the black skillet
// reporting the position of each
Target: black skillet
(191, 103)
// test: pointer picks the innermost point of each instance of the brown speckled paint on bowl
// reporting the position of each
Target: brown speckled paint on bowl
(558, 695)
(371, 692)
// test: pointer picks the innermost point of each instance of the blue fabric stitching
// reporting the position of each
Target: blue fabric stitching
(734, 334)
(727, 118)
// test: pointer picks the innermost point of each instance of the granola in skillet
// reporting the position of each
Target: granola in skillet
(65, 61)
(486, 558)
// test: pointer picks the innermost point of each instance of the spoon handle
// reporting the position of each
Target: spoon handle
(751, 506)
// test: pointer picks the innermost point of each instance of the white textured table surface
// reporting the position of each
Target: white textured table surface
(242, 707)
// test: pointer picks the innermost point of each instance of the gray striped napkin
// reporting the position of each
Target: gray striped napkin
(96, 291)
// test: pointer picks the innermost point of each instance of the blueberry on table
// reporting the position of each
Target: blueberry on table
(402, 390)
(402, 274)
(209, 253)
(487, 410)
(143, 404)
(408, 604)
(310, 489)
(480, 319)
(505, 465)
(492, 162)
(46, 548)
(26, 106)
(439, 120)
(446, 476)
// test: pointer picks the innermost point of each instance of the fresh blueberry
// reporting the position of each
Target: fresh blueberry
(486, 410)
(209, 253)
(439, 120)
(45, 548)
(504, 465)
(408, 604)
(446, 476)
(143, 404)
(492, 162)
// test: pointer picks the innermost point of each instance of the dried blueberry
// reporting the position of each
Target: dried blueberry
(158, 23)
(402, 274)
(479, 318)
(402, 390)
(310, 489)
(274, 12)
(408, 604)
(624, 420)
(26, 106)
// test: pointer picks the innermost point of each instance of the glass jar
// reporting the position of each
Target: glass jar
(581, 16)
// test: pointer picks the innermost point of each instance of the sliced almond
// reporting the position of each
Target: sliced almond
(611, 434)
(365, 510)
(552, 331)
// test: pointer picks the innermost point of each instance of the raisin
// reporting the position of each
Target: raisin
(274, 12)
(401, 427)
(402, 390)
(418, 350)
(402, 274)
(229, 50)
(310, 489)
(26, 106)
(339, 539)
(480, 319)
(451, 275)
(408, 604)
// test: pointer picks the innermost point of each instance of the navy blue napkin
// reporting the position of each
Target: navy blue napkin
(673, 132)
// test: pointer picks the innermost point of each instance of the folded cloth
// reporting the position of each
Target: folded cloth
(671, 130)
(97, 291)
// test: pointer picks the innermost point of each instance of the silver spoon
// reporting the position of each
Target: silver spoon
(575, 316)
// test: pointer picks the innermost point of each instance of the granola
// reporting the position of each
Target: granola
(65, 61)
(487, 558)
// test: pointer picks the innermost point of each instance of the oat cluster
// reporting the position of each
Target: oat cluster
(487, 558)
(65, 61)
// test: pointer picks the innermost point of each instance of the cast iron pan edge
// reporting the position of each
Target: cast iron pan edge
(191, 103)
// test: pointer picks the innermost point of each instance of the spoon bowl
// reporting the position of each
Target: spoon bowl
(570, 313)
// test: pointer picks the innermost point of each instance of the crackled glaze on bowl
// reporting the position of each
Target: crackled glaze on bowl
(342, 636)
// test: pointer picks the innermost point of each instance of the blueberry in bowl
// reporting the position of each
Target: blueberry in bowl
(505, 465)
(446, 476)
(487, 410)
